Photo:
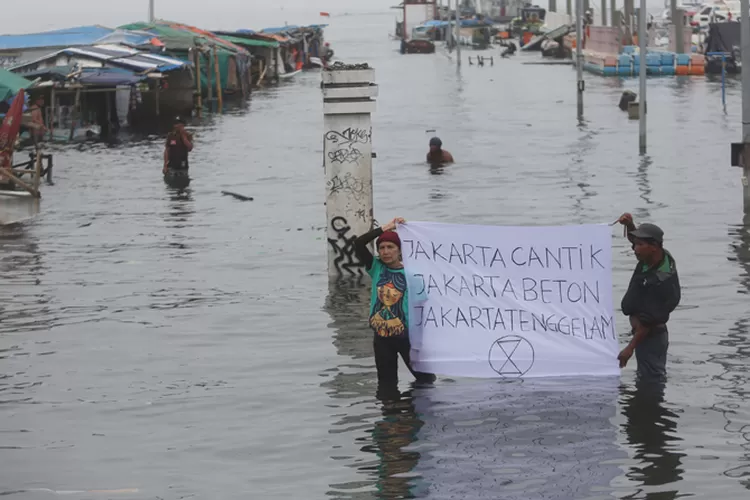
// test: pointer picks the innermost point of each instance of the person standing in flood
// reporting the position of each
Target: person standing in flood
(38, 129)
(653, 294)
(179, 144)
(437, 154)
(389, 303)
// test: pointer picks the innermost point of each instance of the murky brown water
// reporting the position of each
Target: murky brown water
(187, 345)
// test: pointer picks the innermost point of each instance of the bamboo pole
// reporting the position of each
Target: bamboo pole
(209, 78)
(198, 80)
(13, 178)
(218, 80)
(53, 113)
(158, 92)
(38, 170)
(263, 69)
(75, 113)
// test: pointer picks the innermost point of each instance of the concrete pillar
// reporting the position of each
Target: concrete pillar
(553, 5)
(569, 7)
(613, 11)
(348, 101)
(604, 12)
(628, 13)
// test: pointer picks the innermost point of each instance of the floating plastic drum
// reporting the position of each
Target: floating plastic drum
(667, 59)
(628, 49)
(624, 60)
(625, 70)
(682, 70)
(653, 59)
(683, 59)
(668, 70)
(653, 70)
(609, 70)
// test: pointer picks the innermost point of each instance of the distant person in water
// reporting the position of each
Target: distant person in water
(437, 154)
(179, 144)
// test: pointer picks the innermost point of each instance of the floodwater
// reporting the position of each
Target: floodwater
(165, 345)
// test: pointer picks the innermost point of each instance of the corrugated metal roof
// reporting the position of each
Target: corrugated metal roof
(72, 37)
(116, 56)
(249, 42)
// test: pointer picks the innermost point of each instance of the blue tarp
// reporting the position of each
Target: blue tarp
(109, 77)
(70, 37)
(464, 22)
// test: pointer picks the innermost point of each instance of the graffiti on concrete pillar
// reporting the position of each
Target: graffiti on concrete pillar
(346, 261)
(348, 185)
(345, 144)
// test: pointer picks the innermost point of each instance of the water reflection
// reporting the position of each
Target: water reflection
(390, 438)
(734, 394)
(516, 440)
(24, 303)
(651, 430)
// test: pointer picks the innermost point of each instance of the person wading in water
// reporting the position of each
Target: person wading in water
(437, 155)
(389, 304)
(179, 144)
(653, 293)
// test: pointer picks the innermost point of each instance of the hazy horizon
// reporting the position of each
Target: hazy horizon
(219, 14)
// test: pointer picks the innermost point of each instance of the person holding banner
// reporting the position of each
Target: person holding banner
(652, 295)
(389, 303)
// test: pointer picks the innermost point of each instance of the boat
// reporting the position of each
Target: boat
(723, 38)
(289, 76)
(19, 199)
(17, 207)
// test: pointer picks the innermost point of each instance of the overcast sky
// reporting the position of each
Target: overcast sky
(210, 14)
(43, 15)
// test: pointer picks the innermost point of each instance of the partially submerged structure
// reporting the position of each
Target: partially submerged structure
(16, 50)
(97, 89)
(223, 66)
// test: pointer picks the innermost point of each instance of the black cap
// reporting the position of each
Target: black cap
(648, 231)
(435, 141)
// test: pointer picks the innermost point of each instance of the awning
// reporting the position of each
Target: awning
(248, 42)
(10, 84)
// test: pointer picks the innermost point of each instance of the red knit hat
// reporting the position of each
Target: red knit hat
(391, 236)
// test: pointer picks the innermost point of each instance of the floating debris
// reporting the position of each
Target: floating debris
(238, 196)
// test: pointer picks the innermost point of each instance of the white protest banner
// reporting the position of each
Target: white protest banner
(488, 301)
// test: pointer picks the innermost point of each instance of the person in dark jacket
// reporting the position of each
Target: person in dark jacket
(653, 293)
(389, 304)
(179, 144)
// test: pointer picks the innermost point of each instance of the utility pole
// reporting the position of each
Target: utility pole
(642, 74)
(745, 54)
(458, 35)
(678, 23)
(579, 56)
(151, 11)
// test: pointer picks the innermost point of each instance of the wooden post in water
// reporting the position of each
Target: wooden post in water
(198, 80)
(52, 114)
(579, 57)
(158, 92)
(348, 102)
(642, 74)
(76, 112)
(218, 80)
(38, 171)
(209, 79)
